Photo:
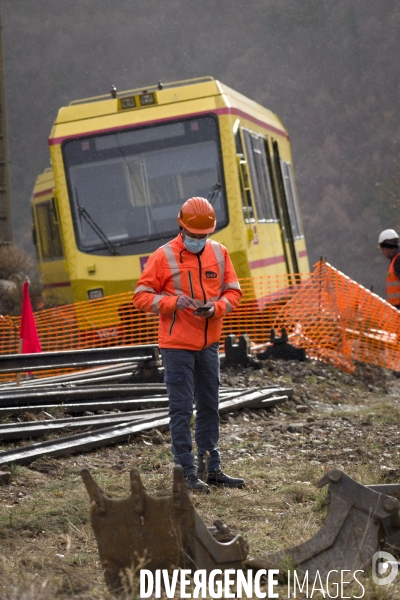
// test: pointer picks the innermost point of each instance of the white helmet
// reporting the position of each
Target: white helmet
(390, 236)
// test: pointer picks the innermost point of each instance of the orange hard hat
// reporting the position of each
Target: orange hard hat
(197, 216)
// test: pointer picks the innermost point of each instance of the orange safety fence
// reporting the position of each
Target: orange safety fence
(114, 321)
(332, 317)
(339, 321)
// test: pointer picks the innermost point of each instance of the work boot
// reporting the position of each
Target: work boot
(195, 484)
(218, 477)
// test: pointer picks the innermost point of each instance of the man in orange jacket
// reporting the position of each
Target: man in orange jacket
(191, 284)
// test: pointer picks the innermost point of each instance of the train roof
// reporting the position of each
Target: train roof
(164, 94)
(44, 184)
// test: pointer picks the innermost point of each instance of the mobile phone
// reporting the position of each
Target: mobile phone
(202, 310)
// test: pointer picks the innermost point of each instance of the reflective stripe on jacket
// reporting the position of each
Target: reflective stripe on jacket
(206, 277)
(393, 284)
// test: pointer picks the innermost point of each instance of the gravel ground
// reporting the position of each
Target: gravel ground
(333, 418)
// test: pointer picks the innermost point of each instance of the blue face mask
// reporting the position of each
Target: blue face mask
(194, 245)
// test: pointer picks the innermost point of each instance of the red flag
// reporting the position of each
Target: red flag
(28, 333)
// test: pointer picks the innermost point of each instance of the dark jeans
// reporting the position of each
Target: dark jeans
(193, 376)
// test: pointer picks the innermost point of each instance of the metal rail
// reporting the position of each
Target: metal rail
(33, 396)
(122, 432)
(93, 406)
(257, 399)
(32, 429)
(18, 431)
(89, 403)
(155, 400)
(17, 363)
(96, 374)
(98, 380)
(79, 442)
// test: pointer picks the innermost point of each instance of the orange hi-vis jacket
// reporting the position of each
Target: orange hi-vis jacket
(393, 284)
(206, 277)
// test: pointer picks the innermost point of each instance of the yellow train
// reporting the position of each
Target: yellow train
(124, 163)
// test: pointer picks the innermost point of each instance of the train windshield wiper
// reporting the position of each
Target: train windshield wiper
(214, 193)
(98, 231)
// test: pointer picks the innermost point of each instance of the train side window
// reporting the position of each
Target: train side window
(293, 205)
(247, 204)
(260, 176)
(48, 231)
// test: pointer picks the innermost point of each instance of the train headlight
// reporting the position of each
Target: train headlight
(95, 294)
(147, 99)
(129, 102)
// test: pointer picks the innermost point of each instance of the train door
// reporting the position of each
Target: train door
(47, 238)
(262, 210)
(286, 198)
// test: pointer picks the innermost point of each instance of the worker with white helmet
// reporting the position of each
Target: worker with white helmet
(389, 244)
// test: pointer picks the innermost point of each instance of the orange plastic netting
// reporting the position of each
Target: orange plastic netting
(332, 317)
(338, 321)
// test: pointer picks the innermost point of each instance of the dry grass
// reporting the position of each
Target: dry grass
(15, 266)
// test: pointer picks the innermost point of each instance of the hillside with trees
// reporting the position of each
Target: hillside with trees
(330, 70)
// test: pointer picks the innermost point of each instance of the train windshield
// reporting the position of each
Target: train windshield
(128, 186)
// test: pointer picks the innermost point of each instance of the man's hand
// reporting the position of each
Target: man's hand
(205, 311)
(185, 302)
